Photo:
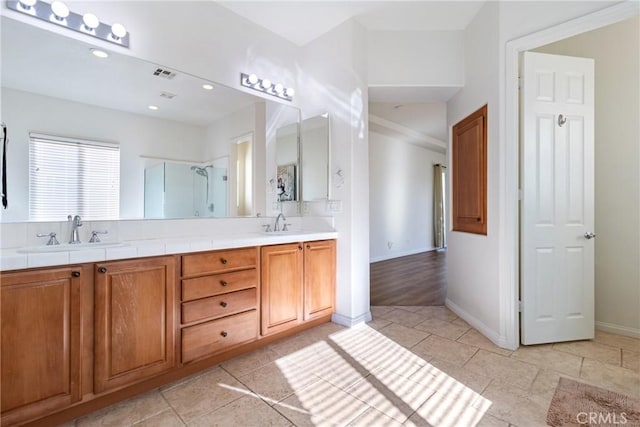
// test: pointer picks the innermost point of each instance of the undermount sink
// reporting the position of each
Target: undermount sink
(69, 247)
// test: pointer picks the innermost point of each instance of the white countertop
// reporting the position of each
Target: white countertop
(13, 259)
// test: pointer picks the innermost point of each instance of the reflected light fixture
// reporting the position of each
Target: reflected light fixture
(207, 86)
(58, 13)
(278, 90)
(99, 53)
(153, 107)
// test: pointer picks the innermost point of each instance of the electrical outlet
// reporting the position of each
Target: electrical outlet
(334, 206)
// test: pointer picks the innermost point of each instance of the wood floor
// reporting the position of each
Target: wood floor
(412, 280)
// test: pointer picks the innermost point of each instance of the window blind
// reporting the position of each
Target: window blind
(73, 177)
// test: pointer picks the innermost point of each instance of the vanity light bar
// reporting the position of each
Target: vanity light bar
(58, 13)
(266, 86)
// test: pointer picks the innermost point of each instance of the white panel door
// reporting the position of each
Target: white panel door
(557, 219)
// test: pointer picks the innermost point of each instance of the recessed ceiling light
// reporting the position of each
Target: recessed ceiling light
(153, 107)
(99, 53)
(207, 86)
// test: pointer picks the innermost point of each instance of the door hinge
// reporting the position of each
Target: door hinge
(520, 194)
(519, 83)
(519, 306)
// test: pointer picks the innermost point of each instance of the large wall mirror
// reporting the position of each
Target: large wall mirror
(117, 137)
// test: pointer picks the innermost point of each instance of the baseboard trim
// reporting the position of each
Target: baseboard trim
(350, 322)
(401, 254)
(618, 329)
(492, 335)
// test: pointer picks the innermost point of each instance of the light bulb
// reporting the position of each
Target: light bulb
(266, 84)
(99, 53)
(252, 79)
(289, 92)
(279, 88)
(28, 4)
(153, 107)
(207, 86)
(91, 21)
(60, 10)
(118, 31)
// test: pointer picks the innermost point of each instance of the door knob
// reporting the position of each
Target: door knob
(589, 235)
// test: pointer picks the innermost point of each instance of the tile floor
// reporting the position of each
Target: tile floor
(411, 366)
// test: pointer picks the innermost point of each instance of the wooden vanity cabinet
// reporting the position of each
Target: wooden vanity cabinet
(219, 309)
(134, 321)
(41, 341)
(298, 283)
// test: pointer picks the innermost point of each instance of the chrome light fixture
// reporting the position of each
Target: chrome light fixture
(58, 13)
(278, 90)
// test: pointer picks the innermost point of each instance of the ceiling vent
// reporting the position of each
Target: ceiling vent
(165, 74)
(167, 95)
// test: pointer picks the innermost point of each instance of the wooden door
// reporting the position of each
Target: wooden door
(557, 211)
(135, 327)
(281, 287)
(41, 342)
(319, 278)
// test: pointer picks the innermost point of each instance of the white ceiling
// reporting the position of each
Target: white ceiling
(303, 21)
(428, 119)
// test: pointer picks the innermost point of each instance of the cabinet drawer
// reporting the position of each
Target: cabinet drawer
(208, 286)
(218, 261)
(218, 335)
(220, 305)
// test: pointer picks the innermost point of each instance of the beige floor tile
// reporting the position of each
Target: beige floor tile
(544, 356)
(627, 343)
(166, 418)
(631, 360)
(292, 344)
(444, 349)
(461, 322)
(411, 308)
(372, 417)
(321, 404)
(242, 365)
(592, 350)
(323, 331)
(406, 337)
(127, 412)
(392, 394)
(378, 324)
(277, 380)
(403, 317)
(476, 339)
(491, 421)
(444, 409)
(377, 311)
(614, 378)
(512, 405)
(248, 411)
(204, 394)
(439, 372)
(503, 369)
(442, 328)
(437, 312)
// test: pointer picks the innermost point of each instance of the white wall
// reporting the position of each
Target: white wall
(415, 58)
(137, 135)
(400, 197)
(615, 49)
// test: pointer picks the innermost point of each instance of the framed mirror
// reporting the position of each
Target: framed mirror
(315, 153)
(180, 146)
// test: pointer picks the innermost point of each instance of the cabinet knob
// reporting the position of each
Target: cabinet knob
(224, 334)
(75, 273)
(308, 246)
(102, 269)
(223, 282)
(299, 247)
(224, 304)
(223, 260)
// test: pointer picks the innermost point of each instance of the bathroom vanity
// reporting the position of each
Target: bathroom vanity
(82, 336)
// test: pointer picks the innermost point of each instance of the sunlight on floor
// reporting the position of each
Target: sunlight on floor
(378, 373)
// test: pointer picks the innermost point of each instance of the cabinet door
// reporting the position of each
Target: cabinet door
(41, 342)
(281, 287)
(135, 327)
(319, 278)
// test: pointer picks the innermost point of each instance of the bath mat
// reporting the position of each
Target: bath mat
(579, 404)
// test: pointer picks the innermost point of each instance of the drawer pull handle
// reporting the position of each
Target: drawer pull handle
(102, 269)
(224, 334)
(75, 273)
(223, 282)
(224, 304)
(223, 260)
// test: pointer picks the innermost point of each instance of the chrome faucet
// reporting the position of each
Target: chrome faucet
(276, 226)
(75, 223)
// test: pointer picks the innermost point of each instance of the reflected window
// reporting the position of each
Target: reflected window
(73, 177)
